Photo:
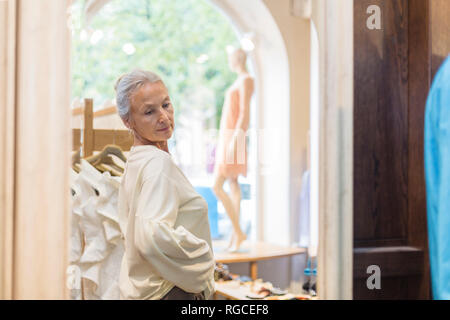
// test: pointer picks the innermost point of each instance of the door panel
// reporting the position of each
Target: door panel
(393, 70)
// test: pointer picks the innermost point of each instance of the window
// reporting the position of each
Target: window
(184, 41)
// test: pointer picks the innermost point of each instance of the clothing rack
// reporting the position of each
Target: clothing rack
(90, 140)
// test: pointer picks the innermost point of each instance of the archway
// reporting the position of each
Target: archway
(271, 157)
(271, 67)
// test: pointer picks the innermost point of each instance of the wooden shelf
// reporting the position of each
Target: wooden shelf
(252, 252)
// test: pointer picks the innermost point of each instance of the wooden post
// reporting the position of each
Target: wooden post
(42, 150)
(253, 270)
(7, 143)
(88, 131)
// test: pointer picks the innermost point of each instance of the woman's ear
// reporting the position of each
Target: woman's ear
(127, 122)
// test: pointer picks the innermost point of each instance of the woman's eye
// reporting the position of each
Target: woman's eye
(149, 112)
(166, 105)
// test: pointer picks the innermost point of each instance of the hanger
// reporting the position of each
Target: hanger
(103, 156)
(108, 164)
(116, 151)
(76, 159)
(106, 168)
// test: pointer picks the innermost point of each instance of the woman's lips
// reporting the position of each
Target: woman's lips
(165, 129)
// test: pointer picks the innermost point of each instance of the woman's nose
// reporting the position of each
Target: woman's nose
(164, 117)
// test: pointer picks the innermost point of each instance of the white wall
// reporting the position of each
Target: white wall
(296, 35)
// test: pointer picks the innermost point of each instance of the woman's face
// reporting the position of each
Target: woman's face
(151, 113)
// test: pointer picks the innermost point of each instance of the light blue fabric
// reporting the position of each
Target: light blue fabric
(208, 195)
(437, 173)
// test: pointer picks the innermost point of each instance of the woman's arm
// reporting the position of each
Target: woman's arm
(176, 254)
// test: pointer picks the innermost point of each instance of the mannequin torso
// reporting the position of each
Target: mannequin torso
(234, 124)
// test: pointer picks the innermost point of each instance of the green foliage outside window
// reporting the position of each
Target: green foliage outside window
(184, 41)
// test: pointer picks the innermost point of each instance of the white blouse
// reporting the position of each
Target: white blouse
(95, 217)
(165, 225)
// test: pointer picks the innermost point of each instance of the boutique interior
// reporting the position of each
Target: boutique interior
(333, 181)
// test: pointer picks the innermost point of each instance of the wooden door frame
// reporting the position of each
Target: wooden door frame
(34, 149)
(7, 140)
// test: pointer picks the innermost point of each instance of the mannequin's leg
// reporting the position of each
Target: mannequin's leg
(228, 205)
(235, 195)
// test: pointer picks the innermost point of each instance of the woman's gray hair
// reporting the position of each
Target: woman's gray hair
(127, 84)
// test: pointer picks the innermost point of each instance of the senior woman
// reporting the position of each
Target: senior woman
(164, 221)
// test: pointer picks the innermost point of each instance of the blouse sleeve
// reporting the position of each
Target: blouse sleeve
(175, 253)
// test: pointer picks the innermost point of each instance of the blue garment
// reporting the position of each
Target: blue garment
(437, 174)
(211, 199)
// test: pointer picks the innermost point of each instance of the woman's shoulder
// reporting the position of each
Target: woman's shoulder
(159, 163)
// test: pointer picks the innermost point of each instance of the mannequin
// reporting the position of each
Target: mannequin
(231, 159)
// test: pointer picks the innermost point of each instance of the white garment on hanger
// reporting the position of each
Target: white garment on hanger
(76, 236)
(101, 257)
(108, 287)
(107, 207)
(96, 245)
